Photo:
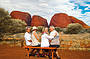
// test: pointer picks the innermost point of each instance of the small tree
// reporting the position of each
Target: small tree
(74, 28)
(58, 29)
(17, 26)
(8, 25)
(40, 28)
(3, 13)
(88, 30)
(65, 30)
(4, 16)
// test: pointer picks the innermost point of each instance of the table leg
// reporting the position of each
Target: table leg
(52, 54)
(27, 52)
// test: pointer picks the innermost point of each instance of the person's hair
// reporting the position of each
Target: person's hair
(52, 27)
(44, 29)
(28, 27)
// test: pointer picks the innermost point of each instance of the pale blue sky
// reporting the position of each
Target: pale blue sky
(47, 8)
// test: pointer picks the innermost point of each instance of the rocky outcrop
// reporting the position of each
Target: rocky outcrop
(75, 20)
(60, 20)
(22, 15)
(38, 21)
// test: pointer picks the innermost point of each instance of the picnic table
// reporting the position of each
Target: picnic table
(49, 48)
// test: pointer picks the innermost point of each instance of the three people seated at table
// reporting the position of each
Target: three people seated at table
(47, 40)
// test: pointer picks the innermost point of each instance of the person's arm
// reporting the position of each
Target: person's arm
(28, 38)
(49, 37)
(35, 35)
(52, 35)
(55, 34)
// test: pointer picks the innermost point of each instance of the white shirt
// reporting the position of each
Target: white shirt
(27, 37)
(45, 40)
(35, 42)
(55, 40)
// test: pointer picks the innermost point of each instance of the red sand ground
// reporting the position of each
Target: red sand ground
(19, 53)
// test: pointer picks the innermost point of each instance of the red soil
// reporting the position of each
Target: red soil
(19, 53)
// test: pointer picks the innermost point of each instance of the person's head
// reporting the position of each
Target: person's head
(28, 29)
(46, 30)
(34, 28)
(51, 28)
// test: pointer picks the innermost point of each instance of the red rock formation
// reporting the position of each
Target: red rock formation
(75, 20)
(38, 21)
(22, 15)
(60, 20)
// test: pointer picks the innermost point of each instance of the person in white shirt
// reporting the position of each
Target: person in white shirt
(35, 40)
(27, 37)
(35, 37)
(55, 37)
(54, 41)
(45, 38)
(28, 40)
(45, 41)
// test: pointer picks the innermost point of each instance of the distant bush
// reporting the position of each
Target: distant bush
(3, 13)
(4, 16)
(40, 28)
(17, 26)
(58, 29)
(83, 31)
(88, 30)
(12, 26)
(8, 25)
(74, 28)
(65, 30)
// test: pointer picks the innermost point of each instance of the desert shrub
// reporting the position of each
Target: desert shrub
(74, 28)
(58, 29)
(17, 26)
(12, 26)
(65, 30)
(4, 16)
(40, 28)
(88, 30)
(3, 13)
(83, 31)
(8, 25)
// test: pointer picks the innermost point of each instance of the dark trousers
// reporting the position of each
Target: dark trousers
(35, 48)
(57, 46)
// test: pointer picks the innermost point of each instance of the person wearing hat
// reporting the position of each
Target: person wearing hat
(35, 39)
